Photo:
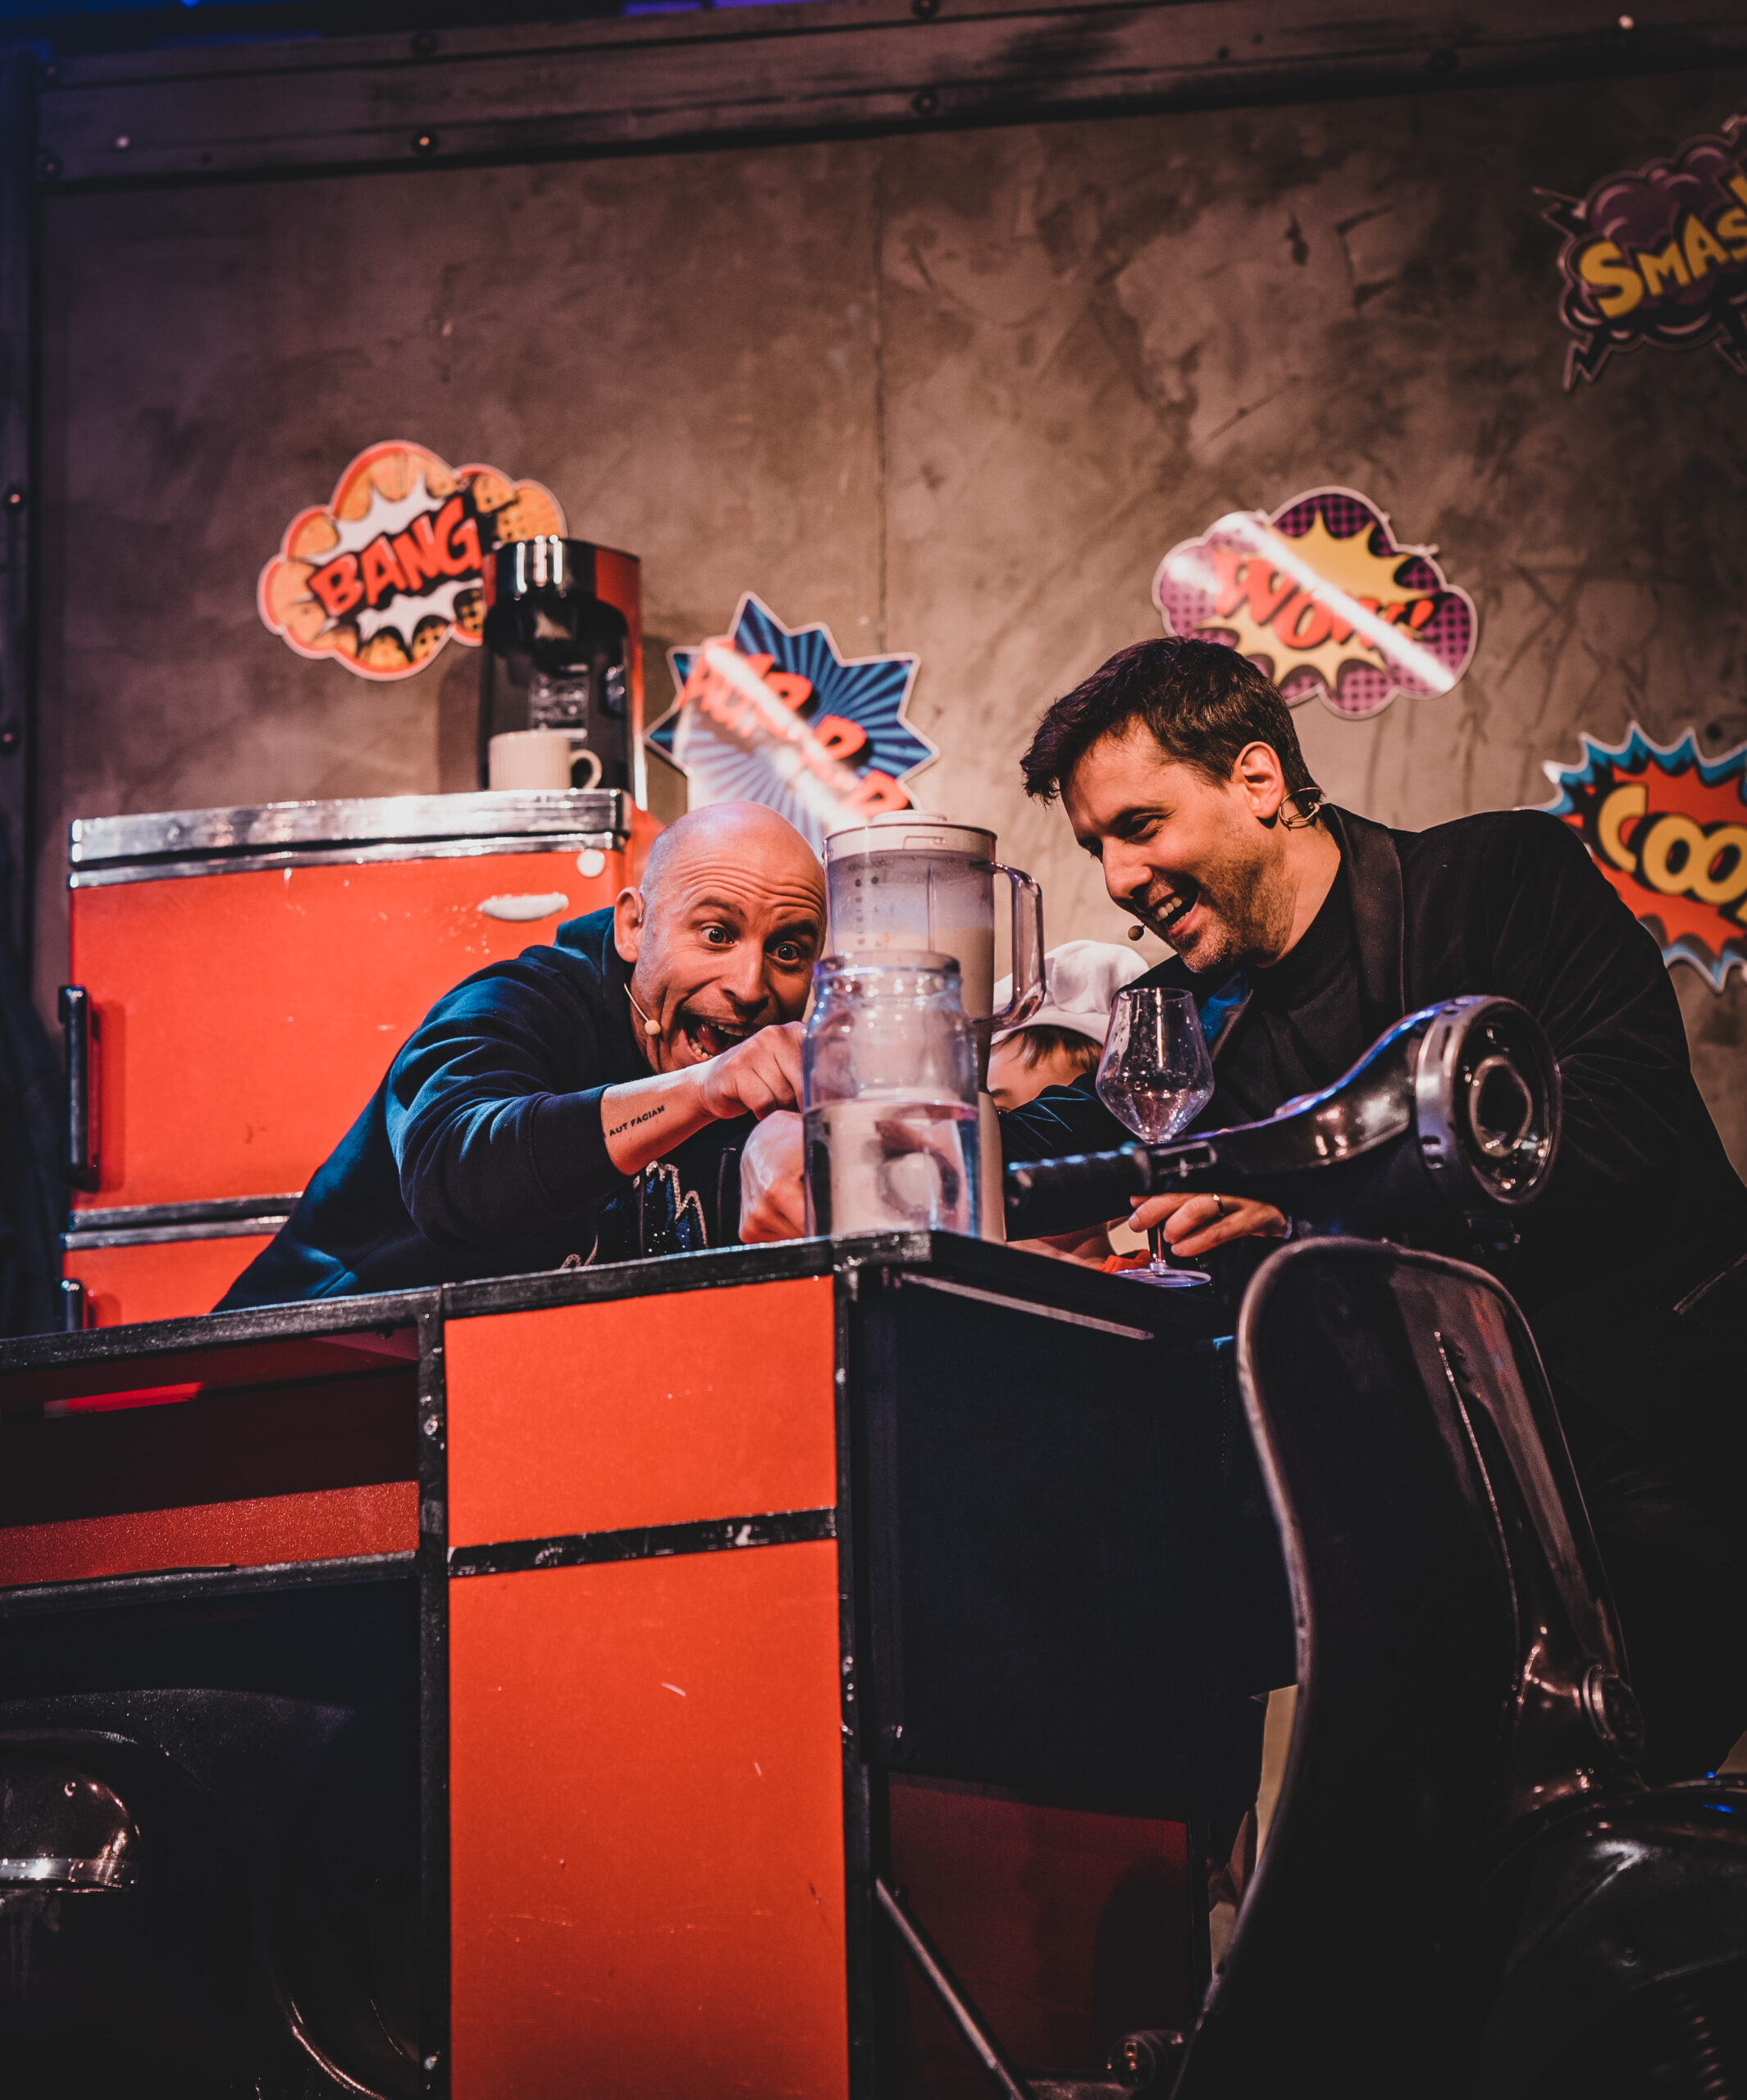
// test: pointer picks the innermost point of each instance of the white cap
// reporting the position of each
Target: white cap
(1081, 979)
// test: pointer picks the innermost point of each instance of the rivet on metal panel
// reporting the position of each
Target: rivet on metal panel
(926, 102)
(10, 737)
(15, 495)
(122, 142)
(424, 142)
(924, 10)
(48, 168)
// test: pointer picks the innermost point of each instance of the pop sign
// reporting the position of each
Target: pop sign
(775, 714)
(1668, 829)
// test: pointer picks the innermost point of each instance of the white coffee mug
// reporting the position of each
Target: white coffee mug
(542, 758)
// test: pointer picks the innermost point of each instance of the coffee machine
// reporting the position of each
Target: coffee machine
(564, 650)
(903, 884)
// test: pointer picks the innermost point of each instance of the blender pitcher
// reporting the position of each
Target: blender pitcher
(903, 884)
(889, 1094)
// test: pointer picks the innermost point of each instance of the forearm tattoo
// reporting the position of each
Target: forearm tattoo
(631, 1122)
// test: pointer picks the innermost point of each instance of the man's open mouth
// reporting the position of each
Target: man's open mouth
(708, 1036)
(1176, 903)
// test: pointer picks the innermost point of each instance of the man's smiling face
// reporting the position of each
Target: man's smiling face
(724, 933)
(1199, 861)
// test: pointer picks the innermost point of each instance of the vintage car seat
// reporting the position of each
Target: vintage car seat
(1467, 1889)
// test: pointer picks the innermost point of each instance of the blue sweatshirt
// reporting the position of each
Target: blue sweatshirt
(481, 1153)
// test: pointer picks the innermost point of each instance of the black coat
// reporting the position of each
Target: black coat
(1644, 1209)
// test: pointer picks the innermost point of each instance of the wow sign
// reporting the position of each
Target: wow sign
(1668, 829)
(1659, 256)
(1323, 601)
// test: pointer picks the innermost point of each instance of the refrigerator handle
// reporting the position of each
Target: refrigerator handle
(80, 1024)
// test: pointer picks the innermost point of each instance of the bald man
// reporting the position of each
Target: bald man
(540, 1107)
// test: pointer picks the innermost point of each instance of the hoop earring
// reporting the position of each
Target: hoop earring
(1307, 801)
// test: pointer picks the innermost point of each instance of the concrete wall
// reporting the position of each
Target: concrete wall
(954, 393)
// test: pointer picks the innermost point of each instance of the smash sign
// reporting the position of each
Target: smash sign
(1668, 829)
(1659, 256)
(382, 574)
(1323, 600)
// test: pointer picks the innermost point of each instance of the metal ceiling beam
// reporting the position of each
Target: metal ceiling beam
(530, 91)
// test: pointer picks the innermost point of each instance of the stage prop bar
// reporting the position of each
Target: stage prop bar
(668, 1608)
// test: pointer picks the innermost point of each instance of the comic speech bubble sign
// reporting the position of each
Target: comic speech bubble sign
(1658, 255)
(779, 715)
(1668, 829)
(392, 566)
(1321, 598)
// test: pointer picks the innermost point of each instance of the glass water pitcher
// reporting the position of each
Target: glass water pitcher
(889, 1098)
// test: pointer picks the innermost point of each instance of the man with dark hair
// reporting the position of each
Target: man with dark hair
(1304, 931)
(1202, 701)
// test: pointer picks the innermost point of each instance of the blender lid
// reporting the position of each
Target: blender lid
(908, 831)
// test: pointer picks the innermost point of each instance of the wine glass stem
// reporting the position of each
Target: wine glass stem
(1161, 1260)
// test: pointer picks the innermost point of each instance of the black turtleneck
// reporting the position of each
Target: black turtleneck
(1304, 1025)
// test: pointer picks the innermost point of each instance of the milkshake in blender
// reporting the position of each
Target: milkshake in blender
(903, 885)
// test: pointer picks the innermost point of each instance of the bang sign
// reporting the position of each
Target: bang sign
(1321, 600)
(1668, 829)
(1659, 256)
(380, 575)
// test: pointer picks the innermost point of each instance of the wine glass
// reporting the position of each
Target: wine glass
(1156, 1076)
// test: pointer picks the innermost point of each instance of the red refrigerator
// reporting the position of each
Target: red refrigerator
(240, 979)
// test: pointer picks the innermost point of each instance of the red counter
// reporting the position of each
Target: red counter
(730, 1585)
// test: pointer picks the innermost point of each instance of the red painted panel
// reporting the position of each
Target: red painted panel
(281, 1360)
(646, 1830)
(1068, 1927)
(655, 1410)
(164, 1281)
(247, 1019)
(330, 1525)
